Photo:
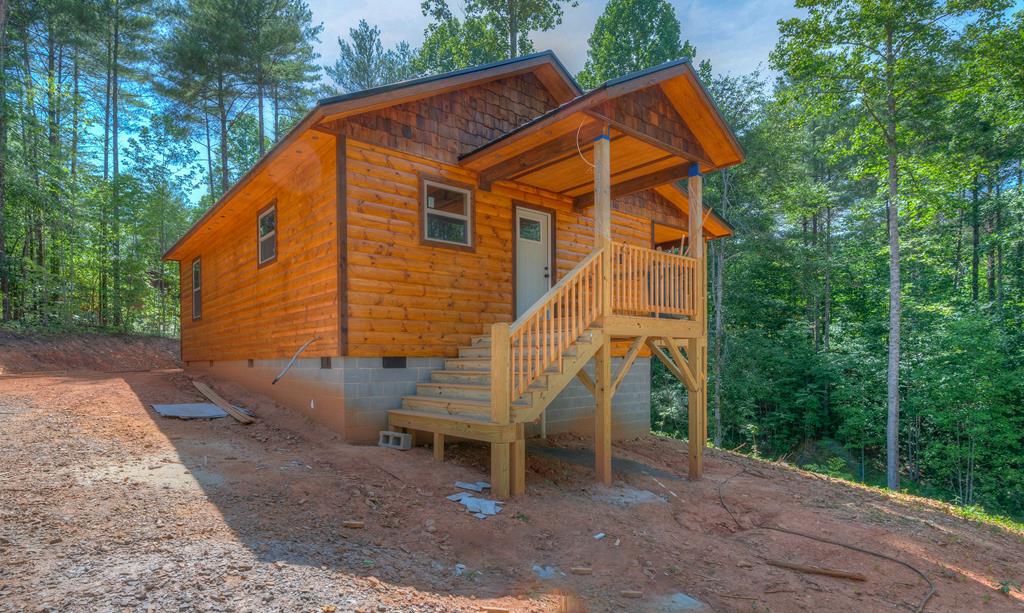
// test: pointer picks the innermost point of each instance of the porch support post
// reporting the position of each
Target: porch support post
(603, 359)
(603, 412)
(697, 398)
(500, 469)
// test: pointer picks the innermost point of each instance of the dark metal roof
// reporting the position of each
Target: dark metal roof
(447, 75)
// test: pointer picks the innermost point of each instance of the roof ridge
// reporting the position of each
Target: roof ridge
(447, 75)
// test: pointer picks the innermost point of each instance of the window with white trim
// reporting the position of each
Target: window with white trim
(266, 231)
(197, 297)
(447, 214)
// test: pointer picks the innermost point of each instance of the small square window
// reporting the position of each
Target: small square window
(529, 229)
(447, 214)
(266, 232)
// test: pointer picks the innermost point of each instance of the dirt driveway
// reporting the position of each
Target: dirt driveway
(105, 506)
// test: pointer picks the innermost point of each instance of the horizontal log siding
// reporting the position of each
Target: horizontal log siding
(268, 312)
(407, 298)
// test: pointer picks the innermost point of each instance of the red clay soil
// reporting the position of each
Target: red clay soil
(106, 506)
(28, 353)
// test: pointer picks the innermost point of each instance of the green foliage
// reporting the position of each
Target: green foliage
(632, 35)
(365, 63)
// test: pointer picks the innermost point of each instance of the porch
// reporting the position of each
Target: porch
(632, 135)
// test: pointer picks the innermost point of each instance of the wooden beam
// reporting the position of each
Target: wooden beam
(690, 156)
(517, 462)
(603, 412)
(560, 147)
(627, 363)
(586, 381)
(686, 367)
(637, 184)
(501, 378)
(630, 326)
(500, 482)
(697, 399)
(439, 446)
(672, 367)
(602, 194)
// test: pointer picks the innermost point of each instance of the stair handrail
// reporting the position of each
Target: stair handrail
(522, 351)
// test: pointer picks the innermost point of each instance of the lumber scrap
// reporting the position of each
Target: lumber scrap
(818, 570)
(225, 406)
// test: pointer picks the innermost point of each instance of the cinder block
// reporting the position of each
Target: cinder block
(395, 440)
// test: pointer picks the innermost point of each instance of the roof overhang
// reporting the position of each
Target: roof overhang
(661, 122)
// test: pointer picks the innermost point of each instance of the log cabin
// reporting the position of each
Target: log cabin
(484, 254)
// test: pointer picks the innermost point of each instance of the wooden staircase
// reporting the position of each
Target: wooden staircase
(458, 398)
(503, 380)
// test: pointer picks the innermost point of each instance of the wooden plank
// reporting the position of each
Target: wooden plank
(451, 426)
(225, 406)
(632, 326)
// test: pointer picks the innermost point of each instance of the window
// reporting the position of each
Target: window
(197, 297)
(447, 214)
(529, 229)
(266, 232)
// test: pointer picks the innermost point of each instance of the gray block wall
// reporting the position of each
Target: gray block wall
(355, 394)
(573, 409)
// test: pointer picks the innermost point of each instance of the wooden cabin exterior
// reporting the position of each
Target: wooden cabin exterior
(478, 254)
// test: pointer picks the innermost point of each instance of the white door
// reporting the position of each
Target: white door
(533, 257)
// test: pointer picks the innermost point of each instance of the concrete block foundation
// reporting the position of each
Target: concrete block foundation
(353, 396)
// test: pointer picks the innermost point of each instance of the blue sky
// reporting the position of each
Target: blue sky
(736, 35)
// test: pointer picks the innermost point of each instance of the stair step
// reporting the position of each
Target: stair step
(465, 391)
(478, 427)
(485, 340)
(461, 376)
(485, 352)
(451, 406)
(475, 364)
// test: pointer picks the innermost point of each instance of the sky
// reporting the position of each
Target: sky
(736, 35)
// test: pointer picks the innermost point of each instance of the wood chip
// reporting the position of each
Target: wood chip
(353, 524)
(581, 570)
(631, 594)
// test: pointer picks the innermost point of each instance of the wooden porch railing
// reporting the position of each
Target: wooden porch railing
(642, 282)
(522, 351)
(651, 283)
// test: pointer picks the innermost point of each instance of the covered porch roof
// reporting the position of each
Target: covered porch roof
(661, 123)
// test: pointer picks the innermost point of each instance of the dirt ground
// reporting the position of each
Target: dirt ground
(105, 506)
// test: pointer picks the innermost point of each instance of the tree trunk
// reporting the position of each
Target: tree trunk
(259, 108)
(115, 88)
(209, 158)
(975, 240)
(893, 376)
(513, 30)
(718, 289)
(223, 115)
(5, 280)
